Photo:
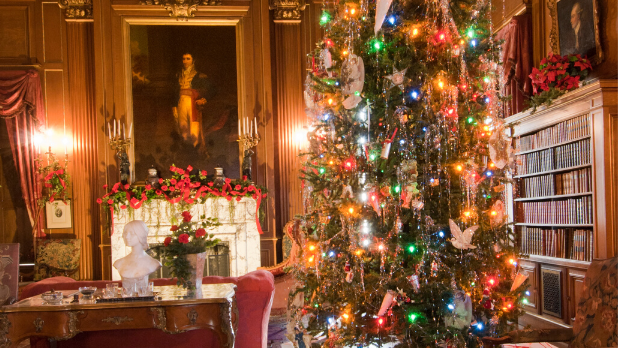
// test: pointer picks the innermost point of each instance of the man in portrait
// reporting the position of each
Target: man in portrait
(581, 37)
(194, 90)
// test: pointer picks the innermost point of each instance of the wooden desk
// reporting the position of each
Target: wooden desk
(174, 313)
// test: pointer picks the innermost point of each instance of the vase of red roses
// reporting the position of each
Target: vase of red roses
(185, 250)
(557, 75)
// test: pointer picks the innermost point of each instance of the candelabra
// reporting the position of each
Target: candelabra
(247, 142)
(120, 143)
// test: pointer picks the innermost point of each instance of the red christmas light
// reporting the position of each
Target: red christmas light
(380, 321)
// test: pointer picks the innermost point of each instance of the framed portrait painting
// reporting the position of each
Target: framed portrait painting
(184, 95)
(575, 28)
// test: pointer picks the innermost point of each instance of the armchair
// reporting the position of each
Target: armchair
(57, 257)
(595, 321)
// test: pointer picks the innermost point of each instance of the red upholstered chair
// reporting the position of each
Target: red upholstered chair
(254, 296)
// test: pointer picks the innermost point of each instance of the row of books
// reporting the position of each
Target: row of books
(576, 181)
(573, 154)
(565, 156)
(565, 212)
(564, 243)
(564, 131)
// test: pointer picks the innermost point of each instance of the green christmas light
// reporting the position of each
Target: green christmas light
(397, 189)
(412, 248)
(470, 33)
(412, 317)
(372, 157)
(486, 79)
(472, 284)
(377, 45)
(325, 18)
(315, 305)
(357, 93)
(322, 170)
(470, 119)
(525, 301)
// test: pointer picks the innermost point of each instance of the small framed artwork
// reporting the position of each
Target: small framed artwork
(58, 214)
(575, 28)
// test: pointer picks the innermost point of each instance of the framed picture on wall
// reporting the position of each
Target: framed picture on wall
(58, 214)
(185, 97)
(575, 28)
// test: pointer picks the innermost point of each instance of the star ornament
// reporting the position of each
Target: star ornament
(462, 239)
(397, 78)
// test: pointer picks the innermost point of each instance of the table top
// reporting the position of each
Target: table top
(169, 295)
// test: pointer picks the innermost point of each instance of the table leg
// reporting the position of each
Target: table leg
(227, 333)
(5, 325)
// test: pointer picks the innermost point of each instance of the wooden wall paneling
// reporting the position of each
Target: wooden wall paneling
(575, 286)
(263, 110)
(84, 135)
(53, 27)
(15, 34)
(291, 121)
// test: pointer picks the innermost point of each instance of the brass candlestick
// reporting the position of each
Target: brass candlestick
(121, 145)
(247, 142)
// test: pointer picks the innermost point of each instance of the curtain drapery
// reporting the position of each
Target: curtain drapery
(517, 62)
(21, 106)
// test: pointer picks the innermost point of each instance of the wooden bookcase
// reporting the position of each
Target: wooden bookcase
(564, 197)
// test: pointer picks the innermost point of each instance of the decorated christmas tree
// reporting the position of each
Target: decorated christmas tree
(405, 235)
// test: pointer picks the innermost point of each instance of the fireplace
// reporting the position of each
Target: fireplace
(239, 253)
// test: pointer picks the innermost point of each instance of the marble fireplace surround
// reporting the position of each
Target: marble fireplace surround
(238, 228)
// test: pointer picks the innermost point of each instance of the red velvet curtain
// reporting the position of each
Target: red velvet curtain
(21, 106)
(517, 62)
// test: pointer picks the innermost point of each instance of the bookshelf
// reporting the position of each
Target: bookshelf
(563, 200)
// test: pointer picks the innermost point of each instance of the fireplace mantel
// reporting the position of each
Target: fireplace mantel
(238, 228)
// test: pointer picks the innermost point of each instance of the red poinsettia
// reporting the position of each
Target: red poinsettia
(561, 73)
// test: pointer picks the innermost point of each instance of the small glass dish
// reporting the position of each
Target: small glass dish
(52, 297)
(87, 292)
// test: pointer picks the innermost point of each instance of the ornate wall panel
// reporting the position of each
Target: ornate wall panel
(14, 33)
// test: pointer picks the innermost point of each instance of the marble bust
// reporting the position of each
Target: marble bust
(137, 265)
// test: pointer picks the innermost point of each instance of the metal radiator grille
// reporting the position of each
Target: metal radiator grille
(552, 292)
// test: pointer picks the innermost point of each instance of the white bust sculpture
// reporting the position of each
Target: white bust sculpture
(135, 267)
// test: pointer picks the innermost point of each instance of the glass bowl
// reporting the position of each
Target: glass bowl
(87, 292)
(52, 297)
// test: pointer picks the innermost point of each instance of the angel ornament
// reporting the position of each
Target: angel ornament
(352, 80)
(499, 148)
(463, 239)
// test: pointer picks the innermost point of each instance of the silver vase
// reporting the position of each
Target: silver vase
(197, 262)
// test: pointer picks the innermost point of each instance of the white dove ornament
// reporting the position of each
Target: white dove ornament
(462, 240)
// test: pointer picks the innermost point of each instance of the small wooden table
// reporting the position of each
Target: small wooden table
(173, 313)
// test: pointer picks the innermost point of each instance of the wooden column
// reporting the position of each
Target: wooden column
(84, 159)
(290, 120)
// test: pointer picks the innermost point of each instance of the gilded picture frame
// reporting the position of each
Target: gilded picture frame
(154, 86)
(575, 28)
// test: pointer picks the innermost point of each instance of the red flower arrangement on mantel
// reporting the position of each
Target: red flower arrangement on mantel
(556, 76)
(182, 188)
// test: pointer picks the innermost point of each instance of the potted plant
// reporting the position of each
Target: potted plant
(185, 249)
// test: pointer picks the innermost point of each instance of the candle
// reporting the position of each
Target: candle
(114, 128)
(255, 123)
(124, 131)
(239, 130)
(245, 123)
(130, 129)
(251, 132)
(109, 131)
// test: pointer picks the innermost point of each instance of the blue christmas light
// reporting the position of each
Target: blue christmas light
(391, 19)
(479, 326)
(414, 95)
(331, 253)
(489, 173)
(473, 43)
(432, 180)
(424, 129)
(441, 234)
(486, 100)
(451, 306)
(402, 141)
(527, 293)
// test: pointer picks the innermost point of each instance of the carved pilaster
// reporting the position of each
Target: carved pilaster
(76, 9)
(227, 327)
(287, 10)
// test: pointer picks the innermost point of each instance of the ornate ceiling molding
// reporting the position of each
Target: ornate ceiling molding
(287, 10)
(181, 9)
(76, 9)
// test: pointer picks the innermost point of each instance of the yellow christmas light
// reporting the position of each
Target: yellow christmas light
(351, 210)
(459, 168)
(440, 84)
(312, 247)
(467, 213)
(414, 32)
(494, 213)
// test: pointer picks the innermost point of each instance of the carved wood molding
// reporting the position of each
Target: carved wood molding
(287, 10)
(76, 9)
(117, 320)
(181, 9)
(38, 324)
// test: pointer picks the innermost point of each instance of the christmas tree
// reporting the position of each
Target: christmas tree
(404, 234)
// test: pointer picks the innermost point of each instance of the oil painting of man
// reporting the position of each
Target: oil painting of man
(576, 27)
